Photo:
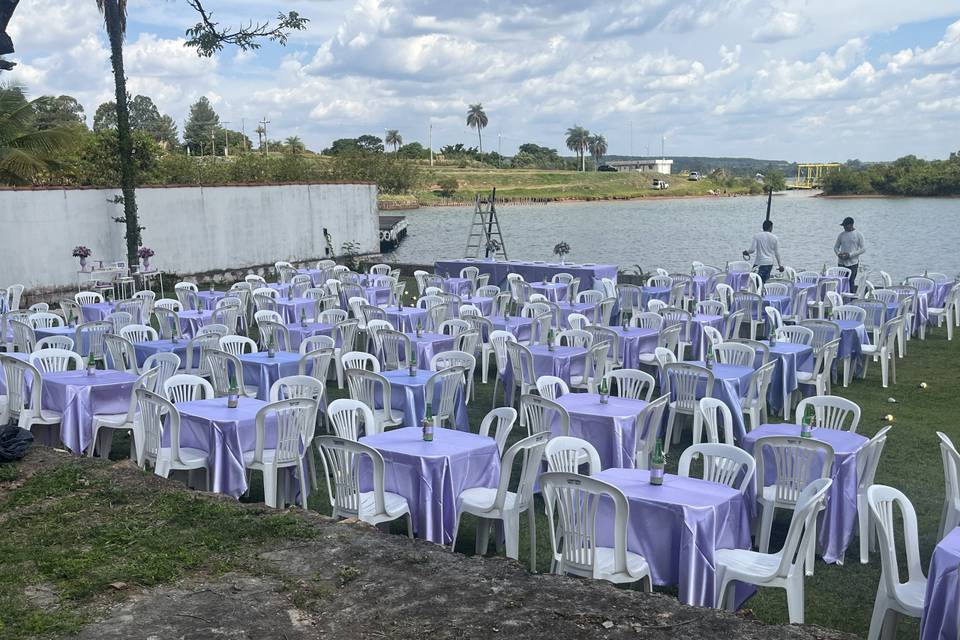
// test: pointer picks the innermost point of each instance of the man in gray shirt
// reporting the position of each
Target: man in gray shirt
(849, 247)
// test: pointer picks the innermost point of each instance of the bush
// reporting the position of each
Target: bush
(448, 186)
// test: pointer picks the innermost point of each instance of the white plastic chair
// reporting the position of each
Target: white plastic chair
(734, 353)
(159, 415)
(552, 387)
(631, 383)
(884, 349)
(647, 430)
(795, 462)
(868, 459)
(359, 360)
(594, 368)
(449, 380)
(139, 333)
(367, 387)
(87, 297)
(45, 320)
(783, 569)
(346, 417)
(895, 598)
(55, 360)
(754, 403)
(293, 422)
(831, 412)
(104, 424)
(568, 454)
(54, 342)
(949, 312)
(950, 516)
(499, 341)
(505, 418)
(447, 359)
(24, 406)
(717, 421)
(795, 334)
(238, 345)
(505, 505)
(571, 502)
(121, 352)
(722, 463)
(682, 382)
(184, 387)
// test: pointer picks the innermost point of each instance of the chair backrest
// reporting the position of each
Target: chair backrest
(359, 360)
(824, 331)
(882, 500)
(800, 534)
(87, 297)
(541, 415)
(45, 320)
(849, 312)
(565, 453)
(531, 449)
(795, 334)
(683, 381)
(448, 382)
(139, 333)
(590, 296)
(647, 430)
(157, 415)
(167, 303)
(832, 412)
(24, 337)
(647, 320)
(552, 387)
(238, 345)
(504, 418)
(223, 367)
(166, 364)
(711, 308)
(368, 387)
(521, 363)
(756, 395)
(723, 463)
(293, 421)
(499, 341)
(717, 420)
(631, 383)
(395, 348)
(54, 342)
(168, 323)
(183, 387)
(121, 353)
(735, 353)
(868, 458)
(572, 502)
(573, 338)
(951, 469)
(54, 360)
(664, 356)
(346, 416)
(724, 293)
(795, 462)
(89, 337)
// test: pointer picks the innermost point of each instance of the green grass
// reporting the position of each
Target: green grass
(556, 184)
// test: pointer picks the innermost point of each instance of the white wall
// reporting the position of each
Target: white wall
(191, 229)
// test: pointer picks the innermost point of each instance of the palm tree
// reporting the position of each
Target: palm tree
(393, 137)
(115, 19)
(477, 119)
(295, 145)
(578, 140)
(598, 148)
(24, 151)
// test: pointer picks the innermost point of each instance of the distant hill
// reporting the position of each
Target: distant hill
(733, 166)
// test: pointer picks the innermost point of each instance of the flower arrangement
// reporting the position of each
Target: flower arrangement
(145, 253)
(561, 249)
(82, 252)
(493, 245)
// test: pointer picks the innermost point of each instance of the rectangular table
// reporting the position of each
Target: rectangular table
(611, 428)
(78, 397)
(730, 384)
(677, 527)
(406, 319)
(408, 396)
(840, 517)
(432, 475)
(589, 274)
(428, 345)
(261, 371)
(635, 341)
(299, 332)
(789, 358)
(146, 349)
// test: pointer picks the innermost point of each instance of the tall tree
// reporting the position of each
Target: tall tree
(202, 123)
(578, 139)
(24, 150)
(144, 116)
(294, 145)
(394, 138)
(477, 119)
(598, 148)
(105, 117)
(62, 111)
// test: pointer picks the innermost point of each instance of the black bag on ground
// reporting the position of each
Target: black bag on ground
(14, 442)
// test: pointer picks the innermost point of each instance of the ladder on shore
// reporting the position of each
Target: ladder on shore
(485, 236)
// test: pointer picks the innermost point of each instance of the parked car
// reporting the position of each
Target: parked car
(606, 167)
(694, 176)
(660, 184)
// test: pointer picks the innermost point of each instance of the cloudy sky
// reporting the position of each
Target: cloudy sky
(814, 81)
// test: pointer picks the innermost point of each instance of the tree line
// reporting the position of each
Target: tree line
(906, 176)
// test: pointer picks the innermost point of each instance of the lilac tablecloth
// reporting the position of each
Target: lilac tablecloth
(738, 280)
(840, 518)
(261, 371)
(853, 334)
(554, 291)
(589, 275)
(567, 308)
(299, 333)
(942, 600)
(483, 303)
(409, 398)
(432, 475)
(698, 339)
(317, 276)
(79, 396)
(789, 358)
(96, 311)
(730, 385)
(377, 295)
(191, 321)
(635, 341)
(701, 288)
(71, 332)
(211, 298)
(677, 527)
(291, 310)
(520, 327)
(611, 427)
(146, 349)
(428, 345)
(780, 303)
(457, 286)
(406, 318)
(562, 362)
(654, 293)
(225, 434)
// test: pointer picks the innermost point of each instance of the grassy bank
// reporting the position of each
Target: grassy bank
(561, 185)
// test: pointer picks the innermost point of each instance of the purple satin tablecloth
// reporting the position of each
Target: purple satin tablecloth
(589, 274)
(261, 371)
(700, 288)
(191, 321)
(789, 358)
(146, 349)
(483, 303)
(457, 286)
(698, 339)
(840, 517)
(738, 280)
(780, 303)
(729, 386)
(635, 341)
(566, 308)
(677, 527)
(71, 332)
(406, 318)
(79, 396)
(654, 293)
(521, 328)
(562, 362)
(211, 298)
(317, 276)
(554, 291)
(432, 475)
(377, 295)
(610, 428)
(942, 601)
(97, 311)
(298, 332)
(408, 397)
(291, 310)
(428, 345)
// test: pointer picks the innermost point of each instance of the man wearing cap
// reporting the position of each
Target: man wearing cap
(849, 247)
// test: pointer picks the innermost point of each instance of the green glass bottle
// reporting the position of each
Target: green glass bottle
(657, 464)
(428, 424)
(710, 356)
(550, 338)
(809, 417)
(233, 393)
(604, 390)
(91, 364)
(413, 362)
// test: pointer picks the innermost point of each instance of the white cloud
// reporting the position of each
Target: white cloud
(781, 26)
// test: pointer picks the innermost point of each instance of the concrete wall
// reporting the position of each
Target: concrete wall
(191, 229)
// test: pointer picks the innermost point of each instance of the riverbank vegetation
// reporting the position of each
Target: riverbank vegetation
(908, 176)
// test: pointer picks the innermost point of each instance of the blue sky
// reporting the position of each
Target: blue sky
(823, 81)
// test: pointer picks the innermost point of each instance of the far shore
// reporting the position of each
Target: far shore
(529, 201)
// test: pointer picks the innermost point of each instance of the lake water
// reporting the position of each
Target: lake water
(903, 236)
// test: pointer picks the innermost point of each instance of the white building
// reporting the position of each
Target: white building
(657, 165)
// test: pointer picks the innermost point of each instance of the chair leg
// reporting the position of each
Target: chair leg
(483, 536)
(511, 533)
(766, 523)
(303, 484)
(410, 525)
(456, 529)
(532, 517)
(671, 417)
(269, 487)
(312, 469)
(863, 519)
(795, 599)
(879, 615)
(484, 365)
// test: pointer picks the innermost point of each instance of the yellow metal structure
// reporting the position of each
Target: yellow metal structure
(810, 174)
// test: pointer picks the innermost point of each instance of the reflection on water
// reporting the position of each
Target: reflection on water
(904, 236)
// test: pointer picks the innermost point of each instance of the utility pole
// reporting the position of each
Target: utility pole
(663, 140)
(266, 141)
(430, 143)
(226, 139)
(631, 138)
(213, 141)
(499, 156)
(243, 131)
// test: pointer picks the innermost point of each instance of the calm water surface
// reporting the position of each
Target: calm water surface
(904, 236)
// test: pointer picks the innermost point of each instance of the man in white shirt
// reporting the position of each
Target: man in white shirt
(767, 248)
(849, 247)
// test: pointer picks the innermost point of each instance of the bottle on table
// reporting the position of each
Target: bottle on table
(657, 464)
(773, 337)
(413, 362)
(604, 390)
(419, 328)
(427, 424)
(550, 338)
(710, 356)
(271, 348)
(91, 364)
(233, 393)
(809, 417)
(303, 317)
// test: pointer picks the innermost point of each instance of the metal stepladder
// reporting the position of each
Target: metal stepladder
(485, 234)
